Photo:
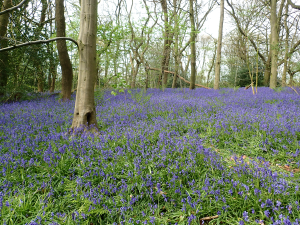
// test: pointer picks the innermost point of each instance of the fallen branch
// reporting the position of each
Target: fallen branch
(166, 71)
(207, 219)
(294, 89)
(198, 85)
(248, 86)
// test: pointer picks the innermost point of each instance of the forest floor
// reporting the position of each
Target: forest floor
(162, 157)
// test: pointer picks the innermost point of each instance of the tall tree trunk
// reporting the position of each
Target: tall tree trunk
(287, 33)
(64, 59)
(167, 43)
(3, 43)
(218, 61)
(267, 72)
(38, 31)
(274, 44)
(193, 46)
(85, 111)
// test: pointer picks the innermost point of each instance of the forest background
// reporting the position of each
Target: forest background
(138, 41)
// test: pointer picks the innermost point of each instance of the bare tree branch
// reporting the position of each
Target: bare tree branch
(13, 8)
(242, 31)
(293, 5)
(38, 42)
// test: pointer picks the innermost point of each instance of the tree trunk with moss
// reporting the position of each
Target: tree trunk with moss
(85, 111)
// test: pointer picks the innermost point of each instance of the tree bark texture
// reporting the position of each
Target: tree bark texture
(3, 43)
(64, 59)
(219, 49)
(85, 111)
(193, 46)
(274, 44)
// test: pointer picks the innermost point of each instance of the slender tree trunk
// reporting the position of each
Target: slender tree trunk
(3, 43)
(274, 45)
(115, 60)
(49, 78)
(202, 67)
(176, 49)
(147, 76)
(212, 64)
(53, 71)
(193, 46)
(65, 63)
(106, 66)
(40, 78)
(218, 61)
(287, 33)
(85, 111)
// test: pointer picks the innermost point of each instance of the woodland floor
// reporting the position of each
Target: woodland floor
(163, 157)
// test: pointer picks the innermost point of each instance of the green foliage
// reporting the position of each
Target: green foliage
(243, 78)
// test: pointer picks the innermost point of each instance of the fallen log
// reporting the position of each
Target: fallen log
(166, 71)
